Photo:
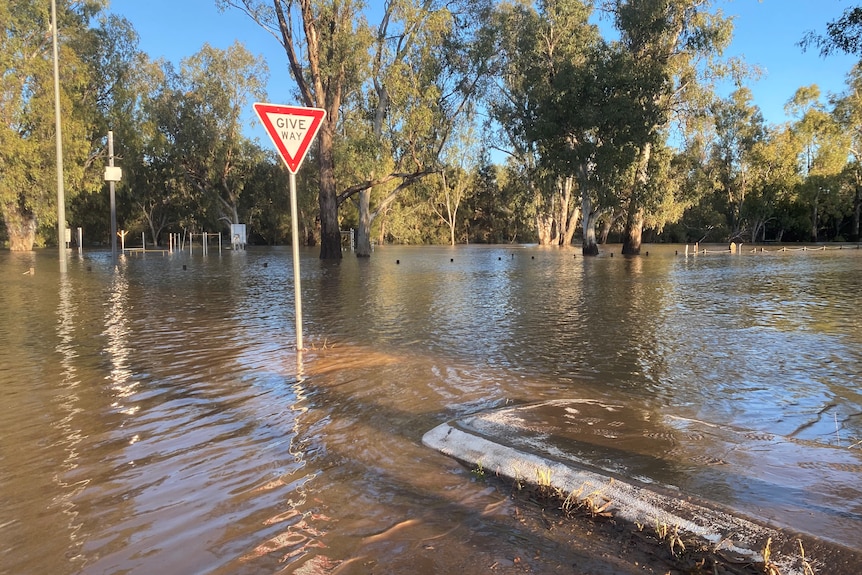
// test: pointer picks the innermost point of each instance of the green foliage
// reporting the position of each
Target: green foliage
(410, 220)
(587, 123)
(266, 201)
(27, 131)
(498, 211)
(548, 105)
(842, 35)
(427, 62)
(183, 150)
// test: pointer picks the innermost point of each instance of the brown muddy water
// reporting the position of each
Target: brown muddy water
(157, 419)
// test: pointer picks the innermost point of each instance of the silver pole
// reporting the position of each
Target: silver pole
(297, 297)
(112, 186)
(61, 195)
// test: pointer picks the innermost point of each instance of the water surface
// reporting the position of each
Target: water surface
(157, 417)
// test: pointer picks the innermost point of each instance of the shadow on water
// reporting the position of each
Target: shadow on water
(158, 416)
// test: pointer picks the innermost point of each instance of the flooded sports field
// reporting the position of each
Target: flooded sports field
(157, 417)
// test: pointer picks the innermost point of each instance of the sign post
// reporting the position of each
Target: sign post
(292, 129)
(113, 175)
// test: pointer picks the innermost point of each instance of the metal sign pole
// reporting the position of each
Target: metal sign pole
(297, 296)
(112, 186)
(292, 130)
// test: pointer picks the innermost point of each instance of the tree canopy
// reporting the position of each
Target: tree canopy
(842, 35)
(456, 121)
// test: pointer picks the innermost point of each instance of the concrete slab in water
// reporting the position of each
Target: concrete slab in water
(734, 488)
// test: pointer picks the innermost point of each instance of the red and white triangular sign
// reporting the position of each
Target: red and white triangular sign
(292, 129)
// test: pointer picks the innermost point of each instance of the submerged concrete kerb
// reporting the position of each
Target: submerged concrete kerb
(630, 501)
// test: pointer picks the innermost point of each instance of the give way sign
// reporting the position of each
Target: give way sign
(292, 129)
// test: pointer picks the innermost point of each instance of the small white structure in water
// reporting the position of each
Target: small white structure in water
(237, 236)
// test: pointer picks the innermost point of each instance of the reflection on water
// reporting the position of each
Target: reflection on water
(118, 343)
(157, 416)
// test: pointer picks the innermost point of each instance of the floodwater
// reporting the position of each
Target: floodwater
(157, 418)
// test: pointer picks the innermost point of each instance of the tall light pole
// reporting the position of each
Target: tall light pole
(61, 195)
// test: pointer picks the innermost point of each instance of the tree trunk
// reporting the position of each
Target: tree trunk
(562, 215)
(571, 227)
(635, 216)
(568, 217)
(857, 211)
(814, 218)
(381, 235)
(634, 231)
(451, 223)
(544, 225)
(21, 229)
(589, 217)
(363, 233)
(330, 232)
(308, 232)
(758, 230)
(590, 247)
(154, 234)
(607, 224)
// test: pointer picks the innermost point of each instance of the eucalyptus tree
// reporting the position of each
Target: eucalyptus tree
(704, 214)
(145, 143)
(428, 61)
(842, 35)
(327, 47)
(110, 50)
(410, 219)
(185, 159)
(510, 101)
(544, 108)
(674, 47)
(461, 158)
(824, 146)
(739, 127)
(404, 82)
(488, 211)
(610, 97)
(848, 113)
(775, 180)
(498, 207)
(217, 87)
(27, 132)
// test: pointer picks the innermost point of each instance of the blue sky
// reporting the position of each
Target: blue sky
(766, 34)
